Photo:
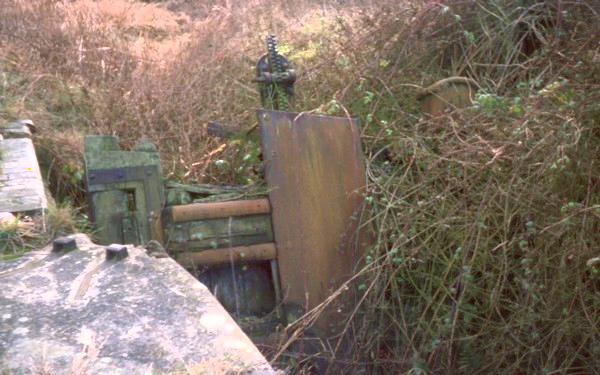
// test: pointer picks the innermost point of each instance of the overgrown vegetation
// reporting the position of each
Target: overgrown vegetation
(19, 234)
(486, 220)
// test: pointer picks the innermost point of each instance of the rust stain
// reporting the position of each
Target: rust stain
(315, 170)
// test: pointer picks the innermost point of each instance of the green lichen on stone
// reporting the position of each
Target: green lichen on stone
(126, 190)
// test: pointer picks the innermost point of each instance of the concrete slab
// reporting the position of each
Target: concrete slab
(76, 312)
(21, 184)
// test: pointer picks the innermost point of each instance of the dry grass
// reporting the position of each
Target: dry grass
(139, 70)
(15, 234)
(485, 219)
(24, 233)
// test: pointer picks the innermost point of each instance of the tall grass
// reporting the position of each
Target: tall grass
(134, 71)
(486, 220)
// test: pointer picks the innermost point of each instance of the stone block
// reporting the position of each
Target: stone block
(21, 185)
(136, 316)
(125, 191)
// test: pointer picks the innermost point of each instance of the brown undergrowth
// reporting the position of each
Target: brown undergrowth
(137, 70)
(486, 219)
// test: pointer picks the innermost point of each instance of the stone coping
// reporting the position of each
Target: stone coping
(73, 311)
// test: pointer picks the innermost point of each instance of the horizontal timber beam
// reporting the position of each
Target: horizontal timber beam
(204, 211)
(265, 251)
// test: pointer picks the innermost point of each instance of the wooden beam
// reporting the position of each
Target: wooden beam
(203, 211)
(265, 251)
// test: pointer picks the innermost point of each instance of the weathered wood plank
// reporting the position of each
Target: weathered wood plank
(215, 233)
(252, 253)
(203, 211)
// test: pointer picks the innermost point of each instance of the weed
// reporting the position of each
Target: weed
(485, 219)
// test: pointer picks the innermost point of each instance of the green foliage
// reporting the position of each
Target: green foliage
(25, 233)
(246, 161)
(485, 221)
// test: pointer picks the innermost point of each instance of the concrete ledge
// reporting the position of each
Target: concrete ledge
(73, 311)
(21, 184)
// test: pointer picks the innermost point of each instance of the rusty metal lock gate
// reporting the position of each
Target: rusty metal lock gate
(315, 173)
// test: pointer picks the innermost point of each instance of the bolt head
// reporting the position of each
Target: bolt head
(116, 252)
(61, 244)
(27, 122)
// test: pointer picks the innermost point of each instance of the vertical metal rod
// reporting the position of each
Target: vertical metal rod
(232, 263)
(277, 286)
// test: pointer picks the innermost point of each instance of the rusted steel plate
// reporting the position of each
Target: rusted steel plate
(265, 251)
(315, 170)
(203, 211)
